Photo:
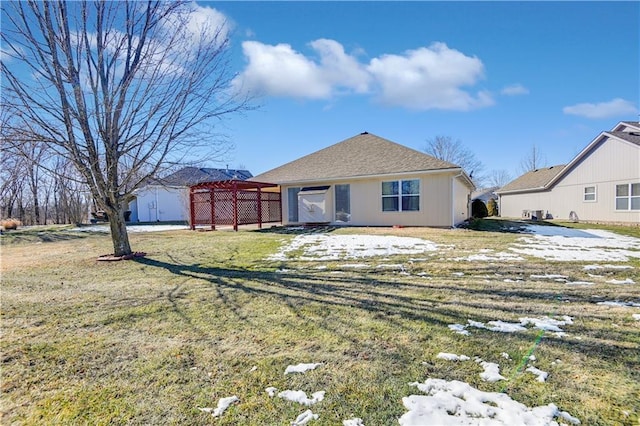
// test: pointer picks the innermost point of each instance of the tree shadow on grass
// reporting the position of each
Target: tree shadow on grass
(400, 301)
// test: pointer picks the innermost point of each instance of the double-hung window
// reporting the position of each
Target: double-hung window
(589, 193)
(401, 195)
(628, 196)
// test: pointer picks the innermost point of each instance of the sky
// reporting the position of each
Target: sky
(500, 77)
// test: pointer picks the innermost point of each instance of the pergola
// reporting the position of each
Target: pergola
(234, 202)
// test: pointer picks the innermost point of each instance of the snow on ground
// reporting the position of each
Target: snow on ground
(566, 244)
(223, 404)
(491, 371)
(542, 375)
(619, 304)
(301, 368)
(338, 247)
(636, 317)
(625, 281)
(357, 421)
(131, 228)
(457, 403)
(546, 323)
(493, 257)
(452, 357)
(304, 418)
(301, 397)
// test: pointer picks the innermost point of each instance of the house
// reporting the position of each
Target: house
(167, 199)
(601, 184)
(367, 180)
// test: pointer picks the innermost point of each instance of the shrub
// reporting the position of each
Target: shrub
(492, 207)
(10, 224)
(479, 209)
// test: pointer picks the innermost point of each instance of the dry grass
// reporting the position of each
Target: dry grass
(149, 341)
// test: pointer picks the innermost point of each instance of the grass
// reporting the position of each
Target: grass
(149, 341)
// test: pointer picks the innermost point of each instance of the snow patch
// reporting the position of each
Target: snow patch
(452, 357)
(542, 375)
(565, 244)
(457, 403)
(223, 404)
(338, 247)
(625, 281)
(304, 418)
(301, 397)
(353, 422)
(301, 368)
(491, 371)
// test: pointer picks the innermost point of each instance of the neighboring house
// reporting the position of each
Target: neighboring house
(370, 181)
(167, 199)
(601, 184)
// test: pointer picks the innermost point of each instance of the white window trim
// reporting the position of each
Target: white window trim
(594, 193)
(627, 197)
(400, 195)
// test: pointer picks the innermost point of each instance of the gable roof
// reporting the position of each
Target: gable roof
(361, 155)
(189, 176)
(536, 179)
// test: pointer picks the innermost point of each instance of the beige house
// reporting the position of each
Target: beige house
(601, 184)
(370, 181)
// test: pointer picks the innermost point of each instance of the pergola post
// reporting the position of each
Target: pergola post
(235, 206)
(192, 209)
(259, 209)
(212, 195)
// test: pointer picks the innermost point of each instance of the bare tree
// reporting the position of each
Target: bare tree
(121, 89)
(499, 178)
(533, 160)
(452, 150)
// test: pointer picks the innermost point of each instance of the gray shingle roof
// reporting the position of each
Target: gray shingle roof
(193, 175)
(632, 137)
(532, 180)
(362, 155)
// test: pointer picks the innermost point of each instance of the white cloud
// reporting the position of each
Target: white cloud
(431, 77)
(514, 90)
(197, 24)
(612, 108)
(281, 71)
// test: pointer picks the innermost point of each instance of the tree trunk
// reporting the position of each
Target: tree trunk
(119, 236)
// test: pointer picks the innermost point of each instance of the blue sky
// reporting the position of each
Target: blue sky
(499, 76)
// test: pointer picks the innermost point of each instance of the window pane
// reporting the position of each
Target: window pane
(411, 187)
(589, 197)
(622, 190)
(292, 196)
(622, 204)
(590, 190)
(635, 203)
(635, 189)
(389, 204)
(390, 188)
(410, 203)
(343, 203)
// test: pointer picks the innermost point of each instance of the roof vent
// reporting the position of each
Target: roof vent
(551, 167)
(634, 133)
(364, 133)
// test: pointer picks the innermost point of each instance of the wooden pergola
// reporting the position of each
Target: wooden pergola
(234, 202)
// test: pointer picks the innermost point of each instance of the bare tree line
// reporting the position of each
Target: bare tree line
(38, 187)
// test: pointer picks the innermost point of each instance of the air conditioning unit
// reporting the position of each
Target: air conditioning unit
(526, 214)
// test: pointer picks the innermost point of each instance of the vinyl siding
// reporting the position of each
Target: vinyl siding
(366, 201)
(611, 162)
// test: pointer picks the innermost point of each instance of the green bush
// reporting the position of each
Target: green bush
(479, 209)
(492, 207)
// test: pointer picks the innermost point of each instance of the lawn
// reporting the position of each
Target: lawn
(211, 315)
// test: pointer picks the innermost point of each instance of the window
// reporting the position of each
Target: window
(401, 195)
(292, 197)
(589, 193)
(628, 196)
(343, 203)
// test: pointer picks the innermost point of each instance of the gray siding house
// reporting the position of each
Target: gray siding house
(601, 184)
